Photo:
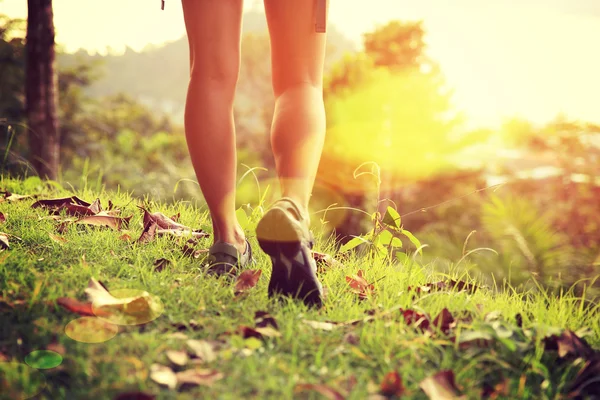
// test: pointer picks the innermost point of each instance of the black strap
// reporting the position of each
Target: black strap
(321, 16)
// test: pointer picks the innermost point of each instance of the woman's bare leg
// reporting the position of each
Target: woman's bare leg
(213, 29)
(298, 129)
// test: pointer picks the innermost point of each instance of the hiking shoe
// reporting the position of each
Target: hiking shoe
(224, 259)
(283, 233)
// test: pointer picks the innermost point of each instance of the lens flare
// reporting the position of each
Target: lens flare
(43, 359)
(91, 330)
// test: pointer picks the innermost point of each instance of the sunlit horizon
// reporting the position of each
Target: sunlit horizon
(534, 60)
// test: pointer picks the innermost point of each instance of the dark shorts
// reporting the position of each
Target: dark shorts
(320, 14)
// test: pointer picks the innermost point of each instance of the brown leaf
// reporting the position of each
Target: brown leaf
(105, 220)
(79, 307)
(325, 326)
(2, 218)
(411, 317)
(197, 233)
(391, 385)
(247, 280)
(263, 319)
(179, 358)
(8, 196)
(125, 237)
(440, 386)
(58, 239)
(325, 391)
(198, 377)
(586, 383)
(162, 220)
(135, 396)
(568, 344)
(443, 320)
(160, 264)
(359, 285)
(4, 245)
(75, 210)
(176, 217)
(163, 375)
(142, 307)
(95, 207)
(148, 233)
(55, 204)
(351, 338)
(325, 262)
(202, 349)
(258, 333)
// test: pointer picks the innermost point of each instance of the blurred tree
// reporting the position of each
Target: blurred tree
(12, 67)
(389, 104)
(396, 45)
(41, 89)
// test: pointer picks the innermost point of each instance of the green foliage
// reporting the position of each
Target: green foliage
(385, 238)
(525, 238)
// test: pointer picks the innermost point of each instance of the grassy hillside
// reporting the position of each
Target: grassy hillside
(387, 330)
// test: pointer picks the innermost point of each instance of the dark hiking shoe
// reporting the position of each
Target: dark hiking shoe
(283, 233)
(224, 259)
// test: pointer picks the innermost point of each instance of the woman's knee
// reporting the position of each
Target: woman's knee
(222, 72)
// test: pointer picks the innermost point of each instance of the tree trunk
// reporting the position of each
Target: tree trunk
(41, 89)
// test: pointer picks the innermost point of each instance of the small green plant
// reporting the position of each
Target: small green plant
(384, 239)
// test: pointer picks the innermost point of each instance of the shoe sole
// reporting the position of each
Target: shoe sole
(294, 269)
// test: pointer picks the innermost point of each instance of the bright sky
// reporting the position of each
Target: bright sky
(533, 58)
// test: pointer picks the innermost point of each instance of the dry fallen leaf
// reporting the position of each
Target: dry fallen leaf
(258, 333)
(105, 220)
(568, 343)
(163, 375)
(391, 385)
(325, 391)
(125, 237)
(443, 321)
(76, 306)
(179, 358)
(247, 280)
(325, 326)
(263, 319)
(181, 233)
(57, 239)
(586, 383)
(360, 286)
(2, 218)
(55, 204)
(440, 386)
(161, 220)
(148, 233)
(202, 349)
(141, 308)
(199, 377)
(325, 262)
(161, 264)
(4, 241)
(8, 196)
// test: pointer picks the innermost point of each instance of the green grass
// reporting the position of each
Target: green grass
(39, 270)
